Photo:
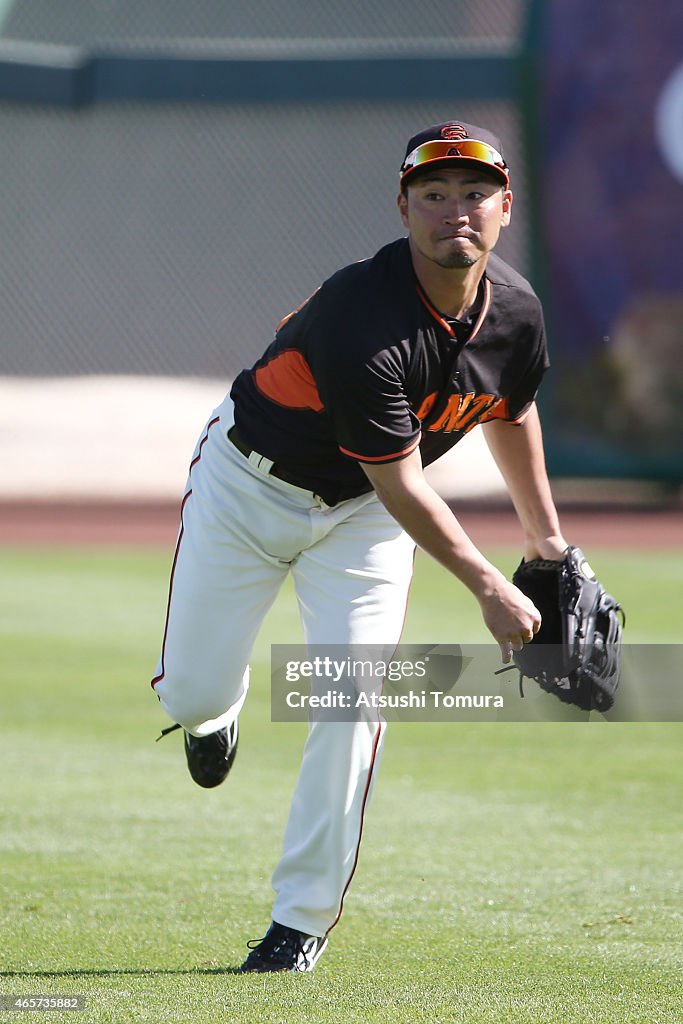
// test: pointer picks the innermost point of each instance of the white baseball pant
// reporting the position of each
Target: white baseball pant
(241, 532)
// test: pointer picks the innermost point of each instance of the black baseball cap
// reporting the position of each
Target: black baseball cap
(455, 144)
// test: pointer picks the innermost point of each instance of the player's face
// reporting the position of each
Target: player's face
(454, 216)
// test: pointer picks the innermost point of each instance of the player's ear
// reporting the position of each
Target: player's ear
(402, 203)
(507, 208)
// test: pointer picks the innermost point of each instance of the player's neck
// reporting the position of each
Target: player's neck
(453, 291)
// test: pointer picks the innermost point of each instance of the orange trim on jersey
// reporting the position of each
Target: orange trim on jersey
(287, 380)
(501, 411)
(444, 323)
(383, 458)
(520, 419)
(295, 311)
(435, 313)
(483, 311)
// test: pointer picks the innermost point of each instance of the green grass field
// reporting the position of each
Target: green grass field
(510, 872)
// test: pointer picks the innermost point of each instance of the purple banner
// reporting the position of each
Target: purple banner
(612, 179)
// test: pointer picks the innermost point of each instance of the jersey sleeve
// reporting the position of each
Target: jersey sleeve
(523, 394)
(364, 396)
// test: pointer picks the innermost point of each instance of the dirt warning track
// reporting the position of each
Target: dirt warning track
(95, 523)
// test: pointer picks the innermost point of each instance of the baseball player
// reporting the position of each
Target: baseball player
(313, 466)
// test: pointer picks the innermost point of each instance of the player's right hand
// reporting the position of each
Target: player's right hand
(510, 616)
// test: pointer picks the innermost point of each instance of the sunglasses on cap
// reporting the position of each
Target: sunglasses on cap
(466, 149)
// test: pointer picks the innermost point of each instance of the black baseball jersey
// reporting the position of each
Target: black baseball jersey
(366, 370)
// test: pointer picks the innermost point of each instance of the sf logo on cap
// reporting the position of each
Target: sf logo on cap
(453, 131)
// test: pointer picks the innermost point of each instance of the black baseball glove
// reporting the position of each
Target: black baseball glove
(577, 652)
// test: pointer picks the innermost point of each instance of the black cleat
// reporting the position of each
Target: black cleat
(284, 949)
(210, 758)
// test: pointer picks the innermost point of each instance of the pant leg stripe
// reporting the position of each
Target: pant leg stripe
(373, 760)
(195, 460)
(157, 679)
(366, 794)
